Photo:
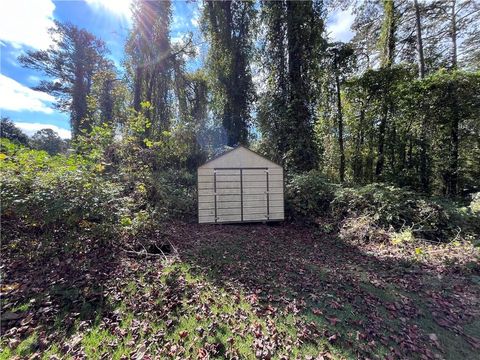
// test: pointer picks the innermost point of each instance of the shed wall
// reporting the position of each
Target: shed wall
(240, 186)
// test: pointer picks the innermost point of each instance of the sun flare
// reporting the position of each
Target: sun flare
(119, 7)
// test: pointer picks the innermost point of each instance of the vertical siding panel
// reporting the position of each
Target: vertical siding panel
(240, 182)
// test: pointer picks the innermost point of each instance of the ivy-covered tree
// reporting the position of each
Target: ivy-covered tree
(294, 48)
(228, 26)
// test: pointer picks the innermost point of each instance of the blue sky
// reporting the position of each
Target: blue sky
(24, 25)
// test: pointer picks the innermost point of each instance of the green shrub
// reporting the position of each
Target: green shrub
(308, 195)
(43, 191)
(174, 193)
(361, 229)
(372, 211)
(394, 208)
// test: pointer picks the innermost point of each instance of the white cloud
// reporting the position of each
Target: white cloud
(177, 40)
(17, 97)
(195, 21)
(26, 22)
(120, 8)
(338, 25)
(32, 128)
(34, 79)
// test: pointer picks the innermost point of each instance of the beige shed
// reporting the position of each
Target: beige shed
(240, 186)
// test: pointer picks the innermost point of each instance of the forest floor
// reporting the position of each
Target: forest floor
(242, 291)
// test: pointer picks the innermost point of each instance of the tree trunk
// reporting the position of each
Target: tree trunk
(381, 144)
(301, 133)
(454, 35)
(357, 165)
(390, 26)
(340, 129)
(389, 30)
(420, 57)
(452, 182)
(424, 176)
(137, 91)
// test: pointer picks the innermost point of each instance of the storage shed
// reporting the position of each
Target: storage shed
(240, 186)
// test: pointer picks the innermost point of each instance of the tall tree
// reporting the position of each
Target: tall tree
(70, 64)
(424, 174)
(49, 141)
(457, 21)
(304, 42)
(272, 116)
(109, 98)
(293, 50)
(387, 45)
(341, 63)
(149, 62)
(228, 28)
(418, 31)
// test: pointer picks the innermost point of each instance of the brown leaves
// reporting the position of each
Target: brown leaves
(474, 341)
(140, 353)
(332, 320)
(7, 316)
(317, 311)
(203, 354)
(288, 273)
(433, 337)
(333, 338)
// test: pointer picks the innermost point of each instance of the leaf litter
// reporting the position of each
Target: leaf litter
(265, 292)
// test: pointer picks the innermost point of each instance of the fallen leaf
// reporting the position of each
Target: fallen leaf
(332, 320)
(140, 353)
(11, 316)
(332, 338)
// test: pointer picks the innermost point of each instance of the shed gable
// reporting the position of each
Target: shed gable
(239, 157)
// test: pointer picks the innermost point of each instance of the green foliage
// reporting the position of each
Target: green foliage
(292, 56)
(367, 212)
(94, 144)
(69, 65)
(174, 193)
(90, 192)
(308, 195)
(403, 236)
(388, 205)
(49, 141)
(396, 208)
(475, 204)
(229, 27)
(150, 63)
(46, 192)
(8, 130)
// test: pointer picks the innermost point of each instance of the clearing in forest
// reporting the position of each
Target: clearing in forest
(244, 291)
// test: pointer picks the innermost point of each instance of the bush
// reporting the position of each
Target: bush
(397, 209)
(47, 192)
(371, 211)
(308, 195)
(362, 229)
(388, 205)
(174, 193)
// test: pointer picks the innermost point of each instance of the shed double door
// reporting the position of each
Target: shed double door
(241, 194)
